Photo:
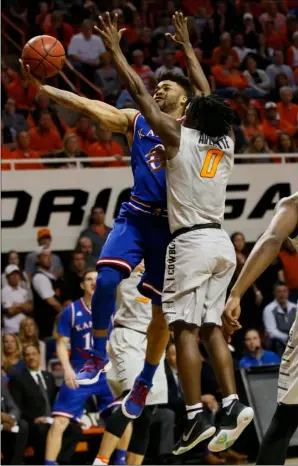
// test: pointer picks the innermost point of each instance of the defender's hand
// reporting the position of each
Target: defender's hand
(231, 315)
(27, 77)
(109, 31)
(181, 30)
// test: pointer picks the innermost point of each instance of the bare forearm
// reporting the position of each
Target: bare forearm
(62, 354)
(196, 74)
(263, 254)
(66, 98)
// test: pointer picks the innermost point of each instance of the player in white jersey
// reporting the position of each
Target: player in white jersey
(201, 258)
(285, 420)
(127, 349)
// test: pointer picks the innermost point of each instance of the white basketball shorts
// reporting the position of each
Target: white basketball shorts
(199, 268)
(127, 350)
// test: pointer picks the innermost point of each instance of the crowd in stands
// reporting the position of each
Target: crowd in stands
(248, 50)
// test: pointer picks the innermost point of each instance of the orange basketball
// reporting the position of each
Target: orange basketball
(45, 55)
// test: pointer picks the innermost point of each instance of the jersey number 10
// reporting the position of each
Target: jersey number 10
(211, 162)
(88, 341)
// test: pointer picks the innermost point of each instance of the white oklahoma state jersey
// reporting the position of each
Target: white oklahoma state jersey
(197, 179)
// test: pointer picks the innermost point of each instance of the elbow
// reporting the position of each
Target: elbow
(273, 241)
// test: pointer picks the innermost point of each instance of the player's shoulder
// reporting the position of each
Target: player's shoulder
(289, 201)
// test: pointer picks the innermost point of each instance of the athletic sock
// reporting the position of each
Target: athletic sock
(120, 457)
(228, 400)
(49, 462)
(101, 460)
(148, 372)
(192, 410)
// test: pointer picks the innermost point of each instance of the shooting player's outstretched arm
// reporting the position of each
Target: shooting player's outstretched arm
(196, 75)
(163, 125)
(119, 121)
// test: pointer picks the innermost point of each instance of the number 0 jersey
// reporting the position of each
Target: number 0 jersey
(197, 179)
(75, 322)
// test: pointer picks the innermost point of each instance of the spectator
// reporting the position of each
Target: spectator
(24, 152)
(228, 78)
(240, 48)
(289, 260)
(278, 318)
(59, 28)
(43, 19)
(43, 137)
(292, 52)
(14, 430)
(175, 391)
(272, 125)
(29, 335)
(225, 49)
(85, 245)
(71, 150)
(13, 258)
(11, 358)
(133, 30)
(71, 289)
(209, 38)
(16, 300)
(46, 290)
(272, 14)
(287, 110)
(85, 50)
(257, 79)
(12, 119)
(44, 238)
(251, 39)
(22, 92)
(106, 147)
(258, 145)
(278, 67)
(168, 65)
(285, 144)
(34, 392)
(144, 71)
(290, 28)
(107, 78)
(42, 104)
(251, 125)
(281, 80)
(81, 130)
(97, 230)
(255, 355)
(264, 53)
(145, 44)
(159, 46)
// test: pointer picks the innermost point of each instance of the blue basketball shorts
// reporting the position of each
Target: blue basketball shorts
(136, 235)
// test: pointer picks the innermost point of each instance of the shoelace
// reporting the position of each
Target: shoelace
(139, 394)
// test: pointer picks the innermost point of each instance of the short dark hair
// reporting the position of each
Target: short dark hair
(279, 283)
(210, 115)
(86, 273)
(182, 81)
(30, 345)
(77, 250)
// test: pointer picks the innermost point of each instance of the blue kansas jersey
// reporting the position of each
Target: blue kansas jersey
(76, 323)
(149, 186)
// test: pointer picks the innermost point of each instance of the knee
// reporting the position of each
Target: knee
(108, 279)
(158, 318)
(60, 424)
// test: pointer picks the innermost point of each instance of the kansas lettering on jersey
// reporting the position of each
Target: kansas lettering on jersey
(75, 323)
(149, 186)
(197, 179)
(134, 311)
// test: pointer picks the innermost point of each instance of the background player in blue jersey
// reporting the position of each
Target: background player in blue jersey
(75, 328)
(141, 229)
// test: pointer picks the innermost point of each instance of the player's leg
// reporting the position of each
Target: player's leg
(275, 444)
(69, 405)
(140, 437)
(122, 251)
(157, 239)
(236, 416)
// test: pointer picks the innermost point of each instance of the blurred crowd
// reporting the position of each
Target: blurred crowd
(248, 50)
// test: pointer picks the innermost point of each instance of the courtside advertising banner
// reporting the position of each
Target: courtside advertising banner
(61, 199)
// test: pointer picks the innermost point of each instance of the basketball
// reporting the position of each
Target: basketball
(45, 55)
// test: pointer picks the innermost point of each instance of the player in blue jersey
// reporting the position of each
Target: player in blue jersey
(141, 229)
(75, 328)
